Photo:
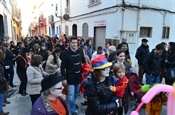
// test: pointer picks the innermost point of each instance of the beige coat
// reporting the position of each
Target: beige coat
(34, 77)
(50, 66)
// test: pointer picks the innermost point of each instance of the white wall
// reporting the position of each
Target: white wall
(79, 7)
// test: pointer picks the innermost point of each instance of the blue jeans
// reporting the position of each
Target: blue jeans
(1, 101)
(152, 79)
(73, 91)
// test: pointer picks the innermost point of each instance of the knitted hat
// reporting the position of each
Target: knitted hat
(50, 81)
(112, 48)
(100, 62)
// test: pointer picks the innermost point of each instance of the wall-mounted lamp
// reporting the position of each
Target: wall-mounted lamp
(56, 12)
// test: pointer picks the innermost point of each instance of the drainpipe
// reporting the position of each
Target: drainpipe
(61, 15)
(123, 10)
(138, 23)
(164, 16)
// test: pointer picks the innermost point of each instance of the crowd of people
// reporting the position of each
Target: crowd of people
(48, 67)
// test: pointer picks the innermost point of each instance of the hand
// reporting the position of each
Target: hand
(64, 82)
(111, 87)
(7, 67)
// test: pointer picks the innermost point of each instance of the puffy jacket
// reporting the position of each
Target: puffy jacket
(152, 64)
(34, 77)
(99, 98)
(141, 53)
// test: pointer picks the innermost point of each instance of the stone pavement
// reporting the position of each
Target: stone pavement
(22, 105)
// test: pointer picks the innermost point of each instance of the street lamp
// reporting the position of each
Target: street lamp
(56, 10)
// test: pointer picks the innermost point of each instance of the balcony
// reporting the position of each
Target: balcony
(16, 14)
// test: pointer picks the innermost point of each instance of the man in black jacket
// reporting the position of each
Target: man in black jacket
(152, 65)
(141, 53)
(72, 58)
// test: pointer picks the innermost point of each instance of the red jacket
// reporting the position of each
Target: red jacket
(120, 87)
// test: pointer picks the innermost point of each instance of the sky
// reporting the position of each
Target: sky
(26, 7)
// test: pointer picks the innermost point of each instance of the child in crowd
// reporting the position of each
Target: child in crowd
(117, 84)
(118, 81)
(154, 107)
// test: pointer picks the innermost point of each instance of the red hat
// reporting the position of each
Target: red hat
(100, 62)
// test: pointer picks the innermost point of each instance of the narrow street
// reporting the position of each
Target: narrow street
(22, 105)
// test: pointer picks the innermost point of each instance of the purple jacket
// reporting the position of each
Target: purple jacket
(43, 107)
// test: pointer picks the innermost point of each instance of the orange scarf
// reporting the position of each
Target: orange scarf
(58, 106)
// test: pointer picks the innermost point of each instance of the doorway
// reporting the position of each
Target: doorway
(74, 30)
(99, 36)
(1, 28)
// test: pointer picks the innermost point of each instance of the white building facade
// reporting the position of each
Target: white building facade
(112, 20)
(5, 19)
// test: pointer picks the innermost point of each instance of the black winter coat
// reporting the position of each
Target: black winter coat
(112, 57)
(152, 64)
(170, 64)
(141, 53)
(99, 97)
(171, 60)
(9, 58)
(44, 54)
(2, 78)
(71, 65)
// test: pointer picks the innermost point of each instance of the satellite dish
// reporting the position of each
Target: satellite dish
(66, 17)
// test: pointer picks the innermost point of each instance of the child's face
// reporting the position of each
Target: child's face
(120, 73)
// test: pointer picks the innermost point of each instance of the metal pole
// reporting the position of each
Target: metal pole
(61, 15)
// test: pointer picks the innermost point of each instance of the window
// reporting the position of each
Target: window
(67, 30)
(145, 32)
(165, 32)
(94, 2)
(57, 31)
(85, 31)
